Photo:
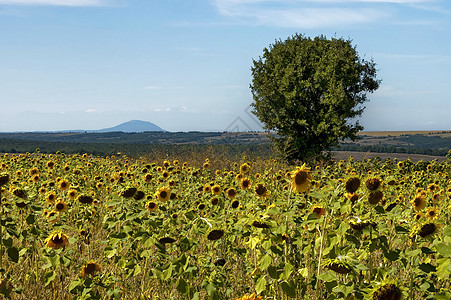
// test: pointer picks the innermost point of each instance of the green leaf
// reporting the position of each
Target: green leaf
(289, 288)
(73, 285)
(13, 254)
(426, 250)
(212, 291)
(264, 262)
(392, 255)
(444, 249)
(442, 268)
(182, 286)
(304, 272)
(287, 270)
(49, 277)
(167, 273)
(261, 285)
(447, 231)
(327, 277)
(30, 219)
(273, 272)
(400, 229)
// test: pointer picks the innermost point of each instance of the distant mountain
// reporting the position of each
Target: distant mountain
(132, 126)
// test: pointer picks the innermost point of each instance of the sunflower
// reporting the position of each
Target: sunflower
(432, 213)
(147, 177)
(20, 193)
(214, 201)
(261, 191)
(419, 202)
(245, 168)
(85, 199)
(35, 178)
(231, 193)
(245, 183)
(320, 211)
(33, 171)
(387, 291)
(63, 185)
(163, 194)
(235, 204)
(353, 197)
(90, 269)
(50, 197)
(401, 164)
(72, 194)
(128, 192)
(216, 189)
(207, 188)
(215, 234)
(375, 196)
(352, 184)
(301, 179)
(206, 166)
(4, 178)
(57, 240)
(373, 184)
(252, 296)
(60, 206)
(42, 190)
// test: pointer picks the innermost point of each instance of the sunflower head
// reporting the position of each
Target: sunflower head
(63, 185)
(373, 184)
(90, 269)
(231, 193)
(4, 178)
(163, 194)
(245, 168)
(60, 206)
(216, 189)
(261, 191)
(319, 210)
(57, 240)
(352, 184)
(432, 213)
(387, 291)
(301, 179)
(419, 202)
(375, 196)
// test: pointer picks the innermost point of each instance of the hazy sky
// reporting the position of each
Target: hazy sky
(185, 64)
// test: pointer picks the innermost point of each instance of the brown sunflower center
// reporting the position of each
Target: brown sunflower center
(300, 178)
(163, 194)
(60, 206)
(90, 268)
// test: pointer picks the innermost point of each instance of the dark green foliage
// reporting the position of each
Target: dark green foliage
(308, 91)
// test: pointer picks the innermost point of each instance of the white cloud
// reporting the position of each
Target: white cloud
(309, 13)
(55, 2)
(93, 110)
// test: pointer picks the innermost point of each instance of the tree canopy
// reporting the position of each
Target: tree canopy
(309, 92)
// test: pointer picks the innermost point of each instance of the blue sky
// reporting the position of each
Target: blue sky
(185, 65)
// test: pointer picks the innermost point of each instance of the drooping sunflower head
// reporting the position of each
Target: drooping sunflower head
(90, 269)
(387, 291)
(375, 196)
(353, 197)
(301, 179)
(319, 210)
(352, 184)
(373, 183)
(163, 194)
(57, 240)
(4, 178)
(85, 199)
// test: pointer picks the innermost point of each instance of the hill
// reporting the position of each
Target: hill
(132, 126)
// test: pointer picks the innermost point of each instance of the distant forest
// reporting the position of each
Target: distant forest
(146, 143)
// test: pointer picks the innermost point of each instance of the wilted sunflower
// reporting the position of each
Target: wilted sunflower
(20, 193)
(128, 192)
(4, 178)
(424, 229)
(163, 194)
(231, 193)
(215, 234)
(85, 199)
(57, 240)
(90, 269)
(419, 202)
(320, 211)
(261, 191)
(353, 197)
(375, 196)
(301, 179)
(216, 189)
(352, 184)
(389, 291)
(373, 184)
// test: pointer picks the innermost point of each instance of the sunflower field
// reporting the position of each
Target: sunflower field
(85, 227)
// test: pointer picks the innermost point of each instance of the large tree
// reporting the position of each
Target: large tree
(309, 93)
